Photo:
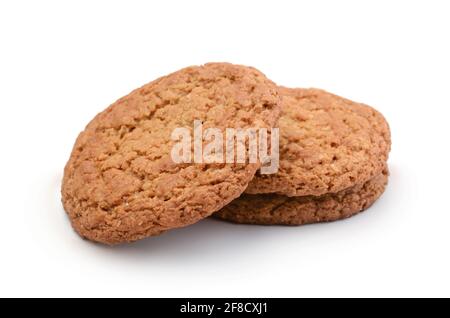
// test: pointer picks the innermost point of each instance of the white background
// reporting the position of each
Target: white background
(62, 62)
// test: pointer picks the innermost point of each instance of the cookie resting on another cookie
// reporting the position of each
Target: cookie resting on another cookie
(272, 209)
(120, 183)
(327, 144)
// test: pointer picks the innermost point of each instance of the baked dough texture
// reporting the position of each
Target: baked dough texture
(120, 183)
(327, 144)
(272, 209)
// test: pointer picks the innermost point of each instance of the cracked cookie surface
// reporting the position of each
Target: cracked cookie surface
(327, 144)
(120, 183)
(272, 209)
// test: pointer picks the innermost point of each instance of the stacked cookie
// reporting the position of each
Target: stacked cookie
(121, 183)
(333, 163)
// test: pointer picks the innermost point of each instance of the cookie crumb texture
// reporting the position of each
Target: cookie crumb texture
(120, 183)
(272, 209)
(327, 144)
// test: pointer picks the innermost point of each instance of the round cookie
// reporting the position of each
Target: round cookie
(271, 209)
(327, 144)
(121, 184)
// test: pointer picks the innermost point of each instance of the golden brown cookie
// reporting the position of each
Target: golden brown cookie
(327, 144)
(270, 209)
(121, 184)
